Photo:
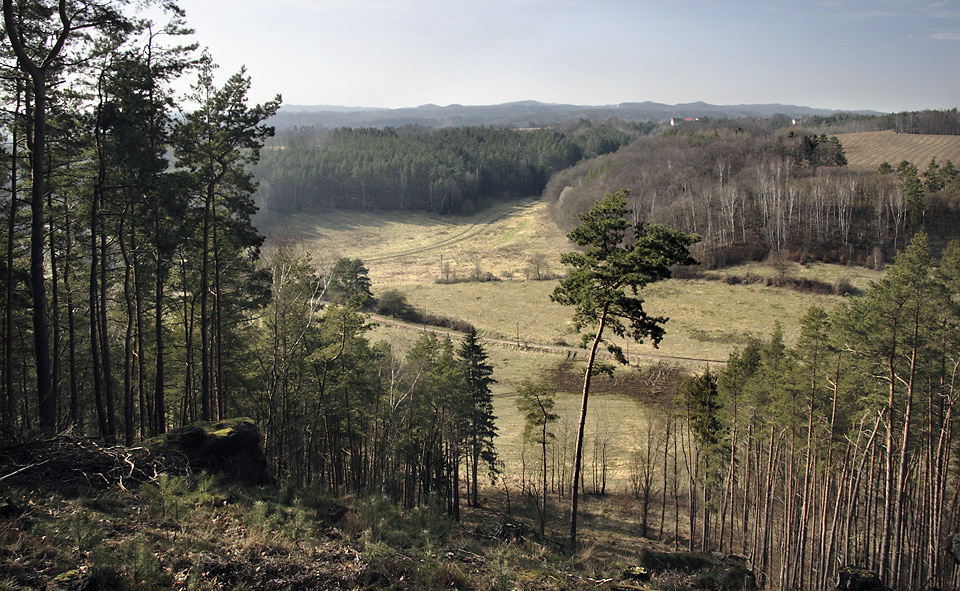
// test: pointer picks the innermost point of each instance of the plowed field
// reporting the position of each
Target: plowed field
(868, 150)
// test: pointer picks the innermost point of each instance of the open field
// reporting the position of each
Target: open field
(868, 150)
(709, 318)
(406, 247)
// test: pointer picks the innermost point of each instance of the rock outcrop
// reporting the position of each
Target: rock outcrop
(230, 447)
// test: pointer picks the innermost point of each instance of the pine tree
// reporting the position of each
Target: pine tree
(889, 329)
(604, 283)
(481, 426)
(218, 143)
(349, 279)
(40, 34)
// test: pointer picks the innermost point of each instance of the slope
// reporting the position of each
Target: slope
(867, 150)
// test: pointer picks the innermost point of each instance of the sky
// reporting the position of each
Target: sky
(882, 55)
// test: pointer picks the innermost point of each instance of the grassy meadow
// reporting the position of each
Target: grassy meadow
(709, 317)
(407, 247)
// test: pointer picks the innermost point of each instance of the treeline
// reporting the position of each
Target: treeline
(130, 262)
(345, 415)
(749, 191)
(934, 122)
(448, 170)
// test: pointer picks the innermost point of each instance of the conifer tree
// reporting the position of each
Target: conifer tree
(889, 329)
(481, 421)
(603, 284)
(217, 143)
(40, 35)
(350, 278)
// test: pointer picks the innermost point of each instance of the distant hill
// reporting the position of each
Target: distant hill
(525, 113)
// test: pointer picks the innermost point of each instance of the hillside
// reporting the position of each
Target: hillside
(865, 151)
(749, 193)
(77, 516)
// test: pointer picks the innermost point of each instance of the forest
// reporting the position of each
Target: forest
(448, 170)
(934, 122)
(135, 296)
(136, 299)
(838, 450)
(751, 190)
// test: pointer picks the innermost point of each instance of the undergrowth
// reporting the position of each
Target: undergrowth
(176, 532)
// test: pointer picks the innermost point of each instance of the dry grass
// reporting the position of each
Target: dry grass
(407, 247)
(867, 150)
(708, 318)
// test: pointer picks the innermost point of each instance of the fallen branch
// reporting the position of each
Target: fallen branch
(15, 472)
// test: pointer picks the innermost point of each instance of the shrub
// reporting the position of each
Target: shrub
(686, 272)
(842, 286)
(393, 303)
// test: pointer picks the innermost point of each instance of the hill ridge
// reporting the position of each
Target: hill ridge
(525, 112)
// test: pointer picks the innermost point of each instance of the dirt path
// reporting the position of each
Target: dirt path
(469, 232)
(565, 350)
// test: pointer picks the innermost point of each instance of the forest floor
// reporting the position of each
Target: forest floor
(77, 516)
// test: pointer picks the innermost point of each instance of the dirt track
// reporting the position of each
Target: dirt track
(470, 231)
(565, 350)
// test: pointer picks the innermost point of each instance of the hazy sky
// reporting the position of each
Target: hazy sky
(886, 55)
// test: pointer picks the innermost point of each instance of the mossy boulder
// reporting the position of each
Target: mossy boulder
(852, 578)
(230, 447)
(699, 570)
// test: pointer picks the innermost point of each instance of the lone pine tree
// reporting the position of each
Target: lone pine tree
(603, 285)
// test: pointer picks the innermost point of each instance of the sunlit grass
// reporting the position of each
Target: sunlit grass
(407, 247)
(709, 318)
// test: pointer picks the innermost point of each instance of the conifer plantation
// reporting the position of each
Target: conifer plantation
(836, 451)
(137, 301)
